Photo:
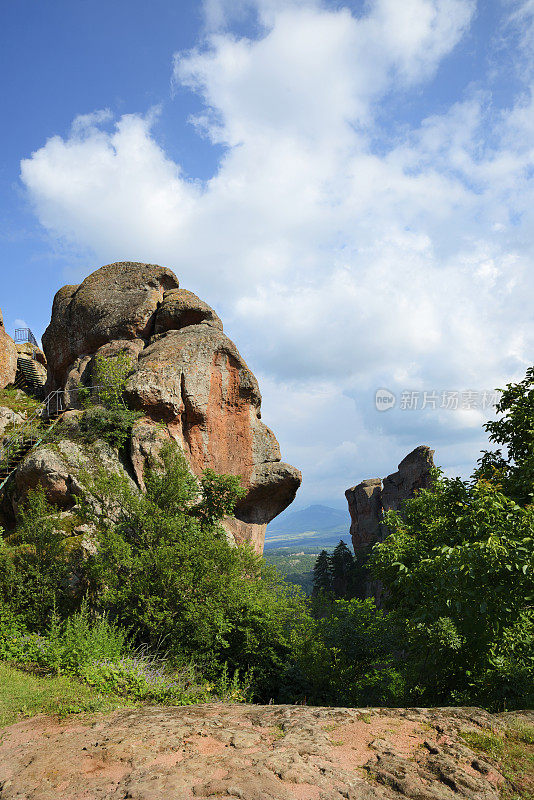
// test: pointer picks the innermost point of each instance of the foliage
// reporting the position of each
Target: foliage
(459, 565)
(111, 420)
(165, 569)
(220, 494)
(352, 659)
(113, 425)
(35, 566)
(512, 751)
(342, 562)
(339, 574)
(17, 400)
(295, 567)
(65, 646)
(322, 574)
(109, 375)
(24, 695)
(515, 430)
(96, 650)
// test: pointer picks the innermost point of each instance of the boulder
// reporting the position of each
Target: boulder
(8, 357)
(371, 498)
(181, 308)
(9, 419)
(147, 440)
(117, 301)
(31, 351)
(185, 373)
(61, 470)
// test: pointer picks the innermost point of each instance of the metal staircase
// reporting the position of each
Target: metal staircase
(30, 433)
(28, 376)
(36, 429)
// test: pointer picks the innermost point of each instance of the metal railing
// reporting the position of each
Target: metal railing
(29, 432)
(23, 335)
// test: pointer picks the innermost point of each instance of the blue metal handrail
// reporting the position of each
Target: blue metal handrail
(23, 335)
(53, 405)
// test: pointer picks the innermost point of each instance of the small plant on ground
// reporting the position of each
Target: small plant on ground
(17, 400)
(24, 695)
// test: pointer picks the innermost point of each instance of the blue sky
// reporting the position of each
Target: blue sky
(349, 184)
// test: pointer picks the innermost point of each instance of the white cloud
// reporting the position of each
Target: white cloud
(336, 268)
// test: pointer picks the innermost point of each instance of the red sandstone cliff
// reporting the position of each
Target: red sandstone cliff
(185, 373)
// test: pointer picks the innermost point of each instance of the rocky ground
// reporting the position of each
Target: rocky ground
(250, 752)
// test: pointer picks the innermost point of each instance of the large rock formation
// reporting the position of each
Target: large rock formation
(371, 498)
(8, 357)
(185, 373)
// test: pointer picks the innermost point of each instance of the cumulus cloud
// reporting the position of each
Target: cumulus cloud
(338, 266)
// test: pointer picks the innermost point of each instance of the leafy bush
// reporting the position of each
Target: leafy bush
(165, 570)
(35, 565)
(66, 646)
(514, 472)
(459, 565)
(143, 678)
(109, 375)
(96, 650)
(352, 661)
(113, 425)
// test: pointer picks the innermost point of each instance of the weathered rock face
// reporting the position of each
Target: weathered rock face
(371, 498)
(117, 302)
(31, 351)
(9, 419)
(8, 357)
(185, 372)
(61, 470)
(254, 752)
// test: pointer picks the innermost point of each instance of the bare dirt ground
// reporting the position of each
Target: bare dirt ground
(248, 752)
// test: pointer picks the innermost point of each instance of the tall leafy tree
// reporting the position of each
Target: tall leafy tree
(514, 429)
(459, 566)
(165, 570)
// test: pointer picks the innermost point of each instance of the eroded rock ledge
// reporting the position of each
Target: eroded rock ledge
(251, 753)
(185, 373)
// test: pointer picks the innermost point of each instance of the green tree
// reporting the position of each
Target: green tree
(342, 562)
(109, 376)
(36, 568)
(353, 660)
(165, 570)
(459, 566)
(514, 472)
(322, 574)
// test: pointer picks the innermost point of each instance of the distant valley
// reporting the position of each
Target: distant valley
(314, 527)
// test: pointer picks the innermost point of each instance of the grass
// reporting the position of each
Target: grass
(278, 732)
(25, 695)
(18, 401)
(513, 754)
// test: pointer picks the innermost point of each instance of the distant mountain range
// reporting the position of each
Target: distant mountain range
(313, 518)
(315, 526)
